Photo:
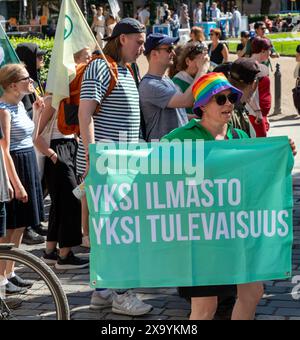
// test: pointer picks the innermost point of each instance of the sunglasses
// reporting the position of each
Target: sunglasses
(24, 79)
(168, 49)
(198, 49)
(221, 99)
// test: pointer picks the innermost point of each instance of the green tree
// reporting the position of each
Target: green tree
(265, 6)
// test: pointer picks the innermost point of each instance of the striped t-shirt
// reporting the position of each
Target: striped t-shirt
(119, 115)
(21, 126)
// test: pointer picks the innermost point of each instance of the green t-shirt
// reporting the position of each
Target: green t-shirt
(193, 131)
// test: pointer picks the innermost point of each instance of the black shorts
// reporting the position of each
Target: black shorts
(2, 219)
(208, 291)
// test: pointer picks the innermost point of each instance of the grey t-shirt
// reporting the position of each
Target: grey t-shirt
(155, 95)
(4, 195)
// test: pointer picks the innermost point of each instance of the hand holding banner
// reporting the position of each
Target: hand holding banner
(151, 227)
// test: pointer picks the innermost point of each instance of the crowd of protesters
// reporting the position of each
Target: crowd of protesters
(204, 97)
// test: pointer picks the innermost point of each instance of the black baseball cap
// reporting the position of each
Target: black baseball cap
(40, 52)
(244, 70)
(158, 39)
(126, 26)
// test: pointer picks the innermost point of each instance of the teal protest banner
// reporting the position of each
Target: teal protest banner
(158, 220)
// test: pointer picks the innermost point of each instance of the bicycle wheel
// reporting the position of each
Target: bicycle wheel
(45, 299)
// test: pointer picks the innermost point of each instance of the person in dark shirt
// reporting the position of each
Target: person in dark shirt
(217, 50)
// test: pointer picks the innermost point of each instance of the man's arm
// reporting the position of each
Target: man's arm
(186, 99)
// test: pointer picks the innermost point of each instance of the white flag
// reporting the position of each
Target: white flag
(115, 8)
(72, 35)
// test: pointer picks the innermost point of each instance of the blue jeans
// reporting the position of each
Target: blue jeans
(237, 31)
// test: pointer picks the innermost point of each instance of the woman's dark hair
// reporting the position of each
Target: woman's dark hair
(298, 49)
(245, 34)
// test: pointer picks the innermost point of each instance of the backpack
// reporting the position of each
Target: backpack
(67, 116)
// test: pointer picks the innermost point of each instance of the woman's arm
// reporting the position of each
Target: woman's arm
(86, 111)
(225, 54)
(10, 188)
(20, 192)
(40, 143)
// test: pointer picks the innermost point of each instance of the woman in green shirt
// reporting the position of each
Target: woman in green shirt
(214, 99)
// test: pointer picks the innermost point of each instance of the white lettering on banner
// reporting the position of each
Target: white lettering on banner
(208, 227)
(162, 221)
(222, 227)
(177, 195)
(210, 202)
(193, 227)
(285, 228)
(96, 197)
(208, 230)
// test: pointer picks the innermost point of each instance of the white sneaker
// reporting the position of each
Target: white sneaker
(129, 304)
(86, 242)
(98, 301)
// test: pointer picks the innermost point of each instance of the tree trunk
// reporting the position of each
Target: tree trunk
(265, 6)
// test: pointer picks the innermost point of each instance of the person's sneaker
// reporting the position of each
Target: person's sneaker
(50, 259)
(11, 289)
(129, 304)
(85, 242)
(98, 301)
(19, 282)
(41, 230)
(30, 237)
(71, 262)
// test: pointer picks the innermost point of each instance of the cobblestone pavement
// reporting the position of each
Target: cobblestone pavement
(278, 302)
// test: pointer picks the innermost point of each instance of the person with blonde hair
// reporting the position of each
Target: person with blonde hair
(197, 34)
(26, 209)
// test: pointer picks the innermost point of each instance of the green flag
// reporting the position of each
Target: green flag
(72, 35)
(157, 220)
(7, 52)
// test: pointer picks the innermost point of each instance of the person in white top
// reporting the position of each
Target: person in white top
(215, 12)
(237, 21)
(98, 25)
(197, 17)
(144, 16)
(184, 17)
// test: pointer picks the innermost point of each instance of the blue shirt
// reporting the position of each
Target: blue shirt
(21, 126)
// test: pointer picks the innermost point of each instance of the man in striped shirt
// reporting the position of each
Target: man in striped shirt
(117, 120)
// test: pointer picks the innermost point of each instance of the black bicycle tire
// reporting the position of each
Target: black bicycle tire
(49, 277)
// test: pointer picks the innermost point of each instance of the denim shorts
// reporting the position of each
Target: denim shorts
(2, 219)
